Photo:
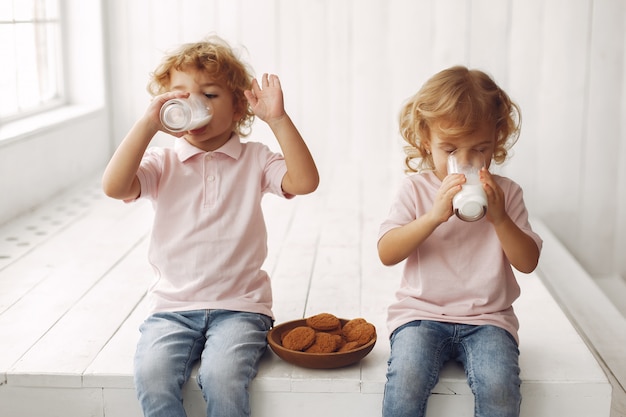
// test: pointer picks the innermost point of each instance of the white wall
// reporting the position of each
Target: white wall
(47, 160)
(347, 66)
(45, 154)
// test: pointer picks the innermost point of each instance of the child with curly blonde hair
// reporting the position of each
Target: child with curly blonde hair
(458, 286)
(211, 301)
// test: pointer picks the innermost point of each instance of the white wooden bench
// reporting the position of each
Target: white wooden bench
(73, 276)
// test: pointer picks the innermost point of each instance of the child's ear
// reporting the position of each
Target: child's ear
(240, 109)
(237, 115)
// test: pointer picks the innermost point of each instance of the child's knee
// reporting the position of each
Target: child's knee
(156, 376)
(499, 392)
(219, 383)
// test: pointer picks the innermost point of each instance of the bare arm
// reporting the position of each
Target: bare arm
(302, 176)
(120, 176)
(397, 244)
(519, 248)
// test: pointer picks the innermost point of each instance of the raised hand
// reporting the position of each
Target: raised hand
(267, 102)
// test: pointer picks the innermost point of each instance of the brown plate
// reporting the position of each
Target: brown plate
(314, 360)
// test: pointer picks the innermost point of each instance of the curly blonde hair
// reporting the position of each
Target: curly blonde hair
(217, 59)
(457, 102)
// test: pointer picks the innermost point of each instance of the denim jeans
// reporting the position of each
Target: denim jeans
(419, 349)
(228, 344)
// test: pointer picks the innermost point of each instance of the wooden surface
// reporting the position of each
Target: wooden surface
(348, 65)
(74, 274)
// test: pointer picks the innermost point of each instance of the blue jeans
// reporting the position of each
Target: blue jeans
(228, 344)
(419, 349)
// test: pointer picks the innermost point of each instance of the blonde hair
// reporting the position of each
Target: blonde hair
(218, 60)
(457, 102)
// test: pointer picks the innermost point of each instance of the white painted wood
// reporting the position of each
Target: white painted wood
(42, 155)
(41, 163)
(50, 402)
(598, 320)
(80, 333)
(451, 34)
(602, 125)
(228, 24)
(619, 260)
(564, 71)
(198, 15)
(346, 68)
(523, 85)
(486, 51)
(85, 354)
(257, 32)
(410, 42)
(121, 402)
(114, 362)
(72, 262)
(614, 287)
(277, 227)
(554, 55)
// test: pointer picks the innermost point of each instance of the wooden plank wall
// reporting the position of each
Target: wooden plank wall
(347, 66)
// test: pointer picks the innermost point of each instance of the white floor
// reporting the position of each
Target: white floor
(615, 289)
(73, 275)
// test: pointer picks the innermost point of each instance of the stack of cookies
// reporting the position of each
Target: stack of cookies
(324, 333)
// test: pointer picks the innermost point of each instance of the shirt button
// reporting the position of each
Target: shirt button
(210, 178)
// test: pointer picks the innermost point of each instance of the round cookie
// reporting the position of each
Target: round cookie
(299, 338)
(348, 346)
(336, 331)
(351, 324)
(360, 333)
(324, 343)
(341, 342)
(323, 322)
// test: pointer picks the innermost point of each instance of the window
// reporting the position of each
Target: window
(30, 46)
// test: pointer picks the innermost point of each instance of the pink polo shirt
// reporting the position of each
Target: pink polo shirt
(209, 239)
(460, 273)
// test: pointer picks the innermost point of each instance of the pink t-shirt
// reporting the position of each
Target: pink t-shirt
(209, 239)
(460, 273)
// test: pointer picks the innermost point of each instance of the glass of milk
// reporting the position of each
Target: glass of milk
(182, 114)
(469, 204)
